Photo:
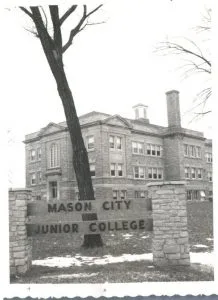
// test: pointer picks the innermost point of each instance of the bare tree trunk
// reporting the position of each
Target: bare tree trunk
(80, 157)
(53, 53)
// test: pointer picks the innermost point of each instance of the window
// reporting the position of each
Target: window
(148, 149)
(195, 195)
(32, 155)
(198, 152)
(54, 162)
(160, 173)
(53, 189)
(193, 175)
(119, 143)
(39, 174)
(137, 148)
(139, 194)
(115, 142)
(209, 157)
(39, 153)
(187, 173)
(123, 194)
(112, 142)
(189, 195)
(199, 173)
(149, 172)
(115, 195)
(139, 172)
(154, 150)
(113, 169)
(155, 173)
(92, 169)
(120, 169)
(209, 176)
(158, 148)
(186, 152)
(90, 142)
(192, 151)
(33, 179)
(38, 197)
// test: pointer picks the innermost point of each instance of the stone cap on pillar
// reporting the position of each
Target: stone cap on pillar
(171, 182)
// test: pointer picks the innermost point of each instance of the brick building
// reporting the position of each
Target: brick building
(124, 155)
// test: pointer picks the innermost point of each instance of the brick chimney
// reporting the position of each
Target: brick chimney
(173, 109)
(140, 111)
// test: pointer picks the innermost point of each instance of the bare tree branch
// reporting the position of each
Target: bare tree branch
(67, 14)
(79, 26)
(54, 12)
(179, 49)
(32, 31)
(94, 10)
(26, 11)
(46, 20)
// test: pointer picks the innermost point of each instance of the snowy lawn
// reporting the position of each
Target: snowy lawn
(204, 258)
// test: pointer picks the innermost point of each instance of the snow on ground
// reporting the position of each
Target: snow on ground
(200, 246)
(78, 275)
(145, 237)
(209, 239)
(204, 258)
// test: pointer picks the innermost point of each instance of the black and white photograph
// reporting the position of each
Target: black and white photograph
(110, 146)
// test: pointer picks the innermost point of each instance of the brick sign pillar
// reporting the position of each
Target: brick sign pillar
(170, 230)
(20, 245)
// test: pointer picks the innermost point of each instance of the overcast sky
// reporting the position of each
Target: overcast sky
(110, 68)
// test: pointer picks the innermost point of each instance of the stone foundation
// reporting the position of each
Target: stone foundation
(170, 229)
(20, 245)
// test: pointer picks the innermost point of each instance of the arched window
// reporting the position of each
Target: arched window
(54, 161)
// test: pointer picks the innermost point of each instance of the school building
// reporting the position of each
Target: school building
(124, 155)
